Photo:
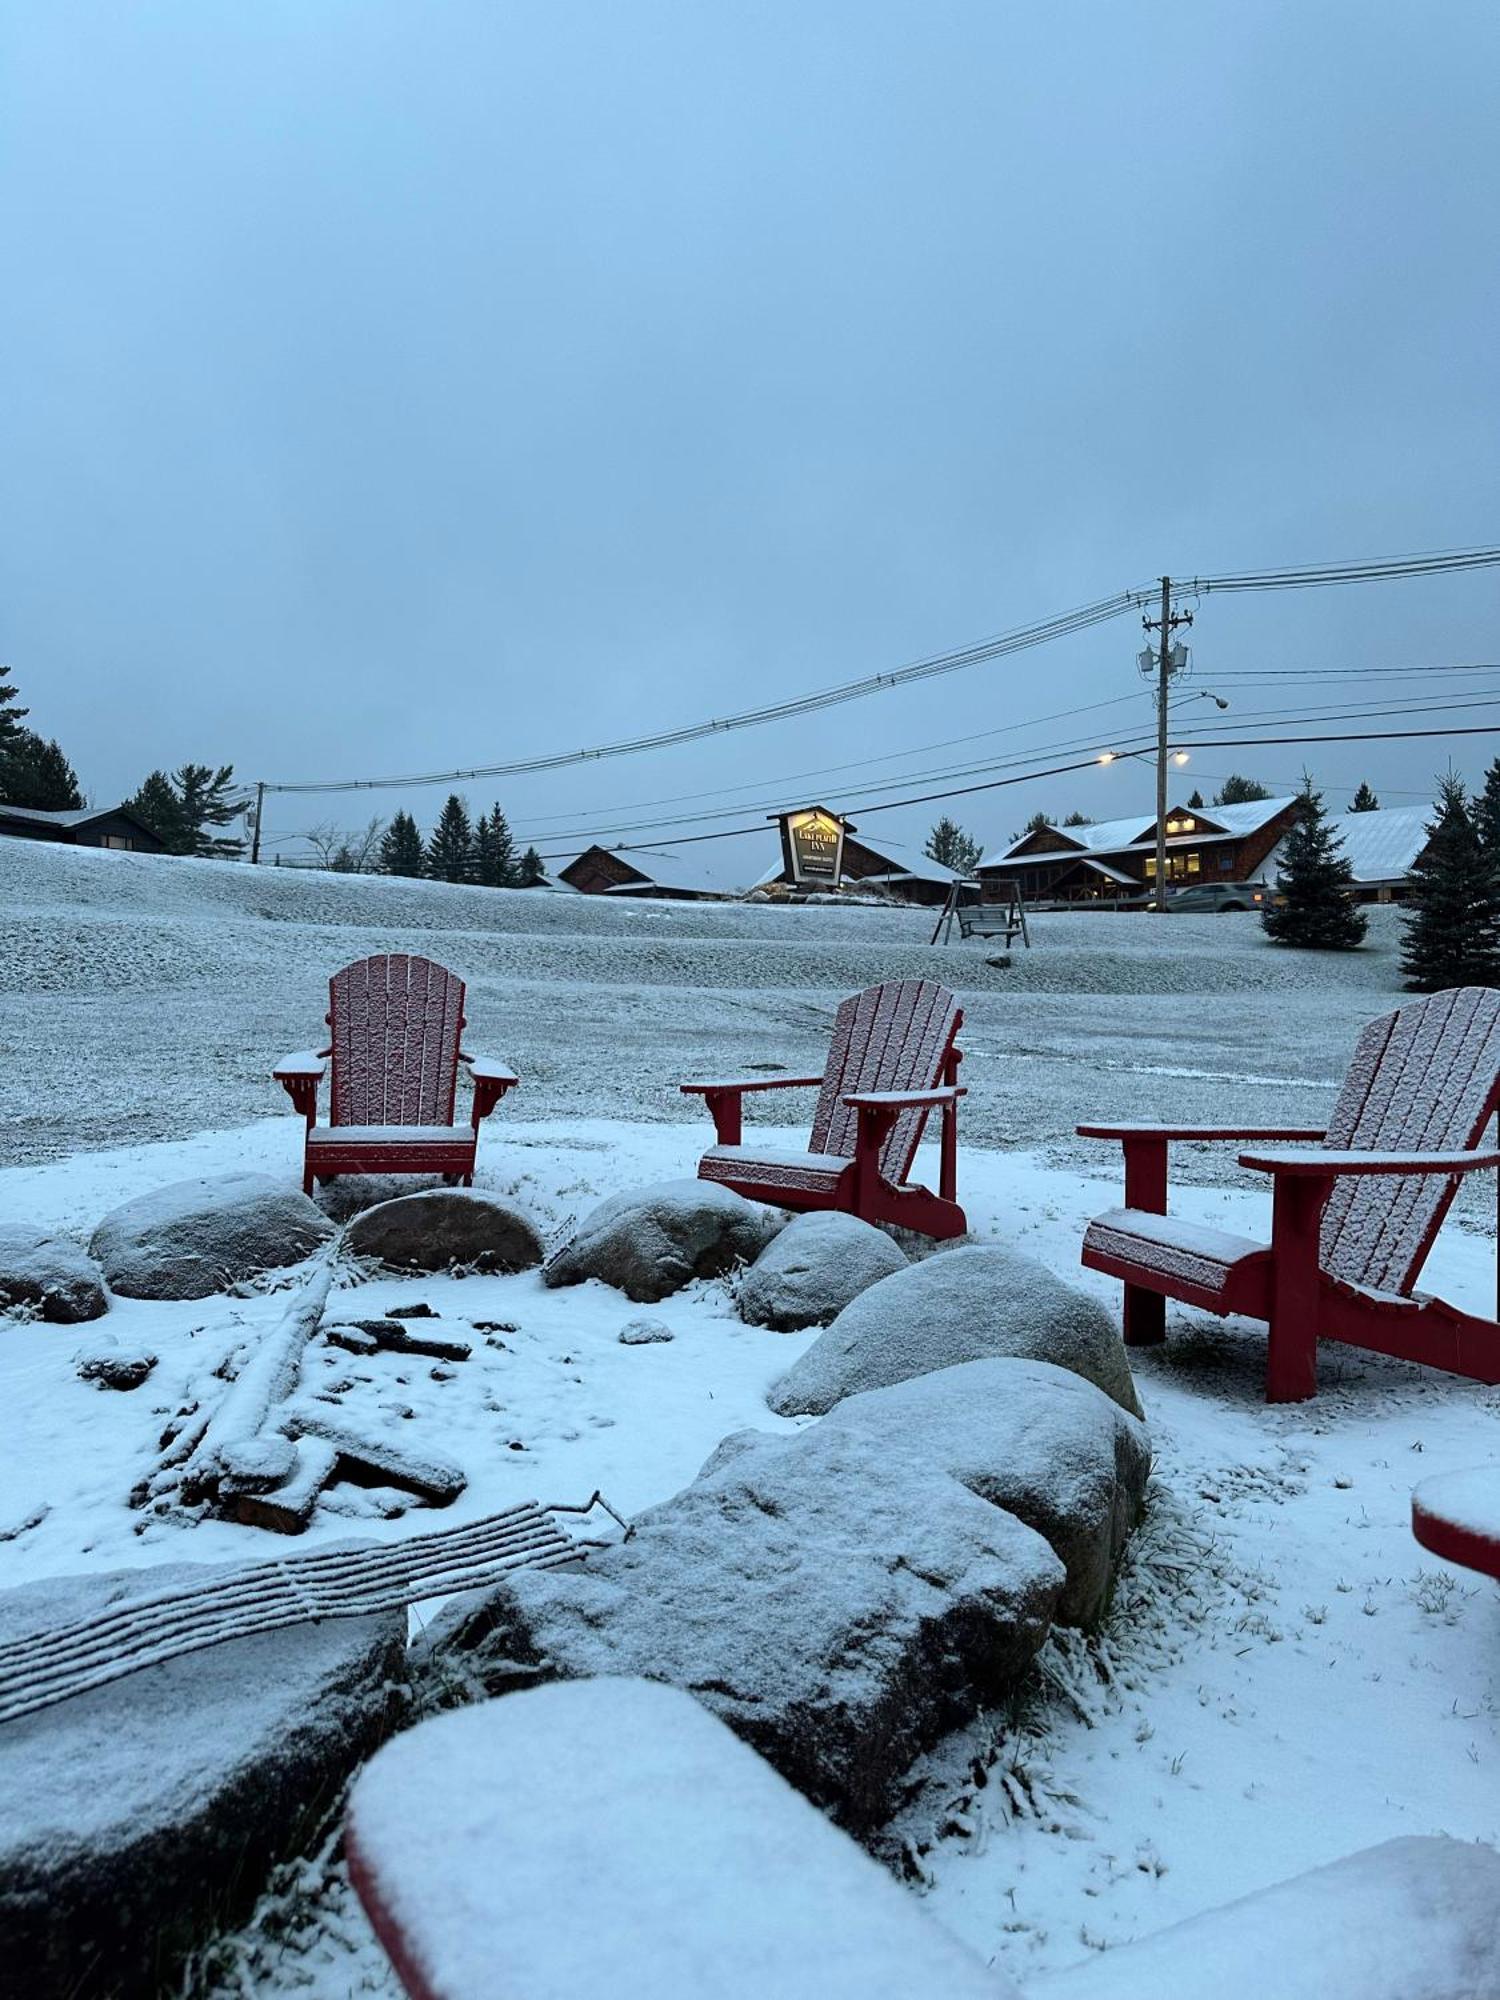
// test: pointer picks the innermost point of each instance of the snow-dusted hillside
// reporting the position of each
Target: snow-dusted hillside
(145, 998)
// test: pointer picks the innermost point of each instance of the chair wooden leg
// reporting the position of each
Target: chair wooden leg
(1292, 1346)
(1145, 1317)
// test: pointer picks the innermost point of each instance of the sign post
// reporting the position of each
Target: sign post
(812, 845)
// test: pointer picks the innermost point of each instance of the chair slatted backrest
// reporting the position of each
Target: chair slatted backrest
(890, 1037)
(1424, 1079)
(396, 1022)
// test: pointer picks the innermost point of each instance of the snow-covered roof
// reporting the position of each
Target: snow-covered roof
(672, 868)
(78, 818)
(908, 861)
(1381, 846)
(1114, 836)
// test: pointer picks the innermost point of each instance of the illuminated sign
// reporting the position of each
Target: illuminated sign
(813, 844)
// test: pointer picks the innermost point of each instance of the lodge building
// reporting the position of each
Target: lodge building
(1115, 860)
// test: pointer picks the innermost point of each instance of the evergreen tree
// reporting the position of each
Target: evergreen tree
(951, 847)
(37, 774)
(1452, 923)
(1364, 800)
(208, 799)
(401, 848)
(494, 851)
(450, 852)
(1316, 880)
(1487, 813)
(10, 715)
(1238, 791)
(159, 806)
(1195, 803)
(531, 873)
(1078, 819)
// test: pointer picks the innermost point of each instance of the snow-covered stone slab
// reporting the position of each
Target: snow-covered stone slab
(841, 1601)
(811, 1270)
(968, 1304)
(50, 1274)
(610, 1839)
(137, 1818)
(1413, 1919)
(1034, 1439)
(654, 1240)
(201, 1236)
(443, 1227)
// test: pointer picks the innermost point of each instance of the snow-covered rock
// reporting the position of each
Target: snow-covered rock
(811, 1270)
(654, 1240)
(701, 1871)
(1034, 1439)
(201, 1236)
(1412, 1919)
(136, 1818)
(644, 1331)
(841, 1601)
(968, 1304)
(51, 1274)
(443, 1227)
(113, 1365)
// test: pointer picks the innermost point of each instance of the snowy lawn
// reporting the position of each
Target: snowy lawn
(1286, 1676)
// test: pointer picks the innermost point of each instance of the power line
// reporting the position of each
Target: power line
(1083, 618)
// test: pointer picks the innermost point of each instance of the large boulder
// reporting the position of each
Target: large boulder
(653, 1241)
(442, 1227)
(811, 1269)
(49, 1274)
(969, 1304)
(137, 1819)
(201, 1236)
(1034, 1439)
(839, 1598)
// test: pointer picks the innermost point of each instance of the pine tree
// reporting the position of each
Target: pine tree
(1195, 803)
(401, 848)
(450, 852)
(207, 799)
(531, 873)
(1487, 813)
(159, 806)
(10, 715)
(1316, 880)
(1238, 791)
(1364, 800)
(951, 847)
(1077, 819)
(37, 774)
(494, 851)
(1452, 923)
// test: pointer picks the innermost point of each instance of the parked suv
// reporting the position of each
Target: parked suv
(1204, 897)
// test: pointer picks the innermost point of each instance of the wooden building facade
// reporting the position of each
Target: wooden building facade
(1114, 862)
(113, 826)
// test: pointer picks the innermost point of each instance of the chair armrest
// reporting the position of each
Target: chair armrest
(737, 1085)
(305, 1065)
(487, 1070)
(1327, 1165)
(904, 1100)
(1204, 1132)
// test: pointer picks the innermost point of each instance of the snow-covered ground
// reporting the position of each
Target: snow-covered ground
(1286, 1676)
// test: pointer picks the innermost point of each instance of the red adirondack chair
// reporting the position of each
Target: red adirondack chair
(1354, 1212)
(395, 1022)
(893, 1060)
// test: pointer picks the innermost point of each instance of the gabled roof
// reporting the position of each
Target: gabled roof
(670, 868)
(907, 864)
(1380, 846)
(83, 816)
(1116, 836)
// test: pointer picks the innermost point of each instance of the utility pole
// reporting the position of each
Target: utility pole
(1170, 659)
(260, 807)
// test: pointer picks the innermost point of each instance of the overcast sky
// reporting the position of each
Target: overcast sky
(394, 387)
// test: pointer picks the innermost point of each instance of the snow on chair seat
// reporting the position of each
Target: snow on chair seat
(395, 1022)
(892, 1061)
(1457, 1516)
(1353, 1215)
(608, 1839)
(1208, 1265)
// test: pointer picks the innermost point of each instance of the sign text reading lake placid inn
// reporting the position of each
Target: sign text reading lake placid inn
(813, 843)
